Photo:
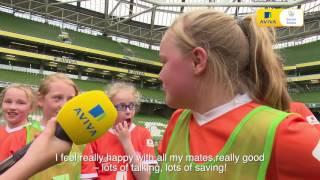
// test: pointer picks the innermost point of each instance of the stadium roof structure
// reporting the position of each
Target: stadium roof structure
(145, 21)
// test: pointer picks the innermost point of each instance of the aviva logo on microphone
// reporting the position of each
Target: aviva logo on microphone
(97, 112)
(279, 17)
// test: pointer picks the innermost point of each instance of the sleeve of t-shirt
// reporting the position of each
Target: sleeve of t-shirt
(162, 148)
(305, 112)
(296, 151)
(88, 168)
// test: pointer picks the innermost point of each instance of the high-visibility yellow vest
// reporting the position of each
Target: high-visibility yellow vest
(252, 138)
(69, 170)
(32, 130)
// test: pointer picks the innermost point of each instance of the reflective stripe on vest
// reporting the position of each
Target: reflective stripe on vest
(32, 131)
(64, 171)
(69, 170)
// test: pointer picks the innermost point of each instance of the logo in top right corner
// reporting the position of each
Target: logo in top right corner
(267, 15)
(276, 17)
(291, 17)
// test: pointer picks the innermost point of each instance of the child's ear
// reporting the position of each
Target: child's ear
(200, 60)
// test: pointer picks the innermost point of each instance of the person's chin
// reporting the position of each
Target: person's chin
(171, 103)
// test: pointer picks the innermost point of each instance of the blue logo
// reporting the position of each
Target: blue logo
(97, 112)
(267, 15)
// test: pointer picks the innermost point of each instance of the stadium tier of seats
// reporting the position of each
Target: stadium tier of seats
(301, 54)
(34, 79)
(36, 29)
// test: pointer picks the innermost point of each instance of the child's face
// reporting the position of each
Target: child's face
(16, 106)
(59, 93)
(177, 73)
(125, 103)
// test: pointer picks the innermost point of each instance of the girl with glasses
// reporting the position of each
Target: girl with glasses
(125, 140)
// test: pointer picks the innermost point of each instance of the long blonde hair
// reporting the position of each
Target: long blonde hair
(240, 54)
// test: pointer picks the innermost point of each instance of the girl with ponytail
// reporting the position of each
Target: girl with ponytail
(230, 91)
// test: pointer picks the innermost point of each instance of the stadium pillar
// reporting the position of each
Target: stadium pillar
(79, 74)
(106, 7)
(41, 69)
(112, 78)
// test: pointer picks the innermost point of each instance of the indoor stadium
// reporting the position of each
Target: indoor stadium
(97, 42)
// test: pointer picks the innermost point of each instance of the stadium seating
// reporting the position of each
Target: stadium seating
(301, 54)
(34, 79)
(22, 26)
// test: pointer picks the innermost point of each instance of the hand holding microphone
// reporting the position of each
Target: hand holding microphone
(81, 120)
(35, 159)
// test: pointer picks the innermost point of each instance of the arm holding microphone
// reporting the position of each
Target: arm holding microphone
(39, 156)
(81, 120)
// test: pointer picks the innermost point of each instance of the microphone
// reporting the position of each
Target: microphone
(86, 117)
(81, 120)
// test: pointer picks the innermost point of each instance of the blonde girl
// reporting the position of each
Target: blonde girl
(229, 87)
(17, 102)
